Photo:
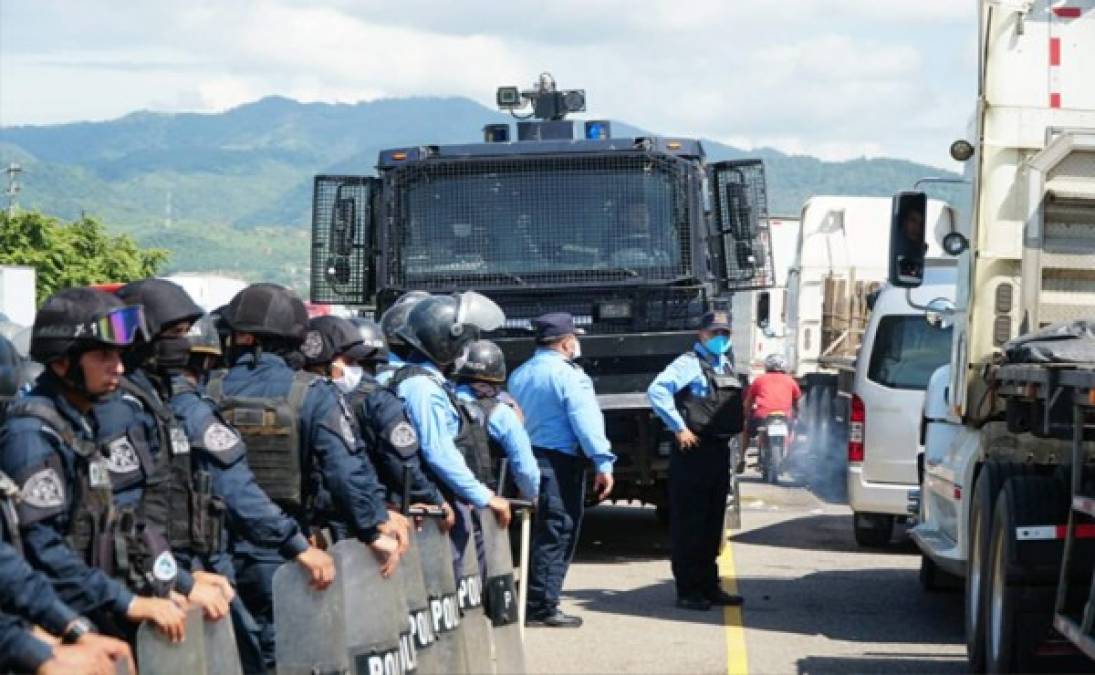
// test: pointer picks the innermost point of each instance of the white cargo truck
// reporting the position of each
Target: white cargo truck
(1007, 493)
(760, 317)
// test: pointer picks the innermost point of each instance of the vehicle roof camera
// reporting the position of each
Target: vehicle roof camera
(548, 101)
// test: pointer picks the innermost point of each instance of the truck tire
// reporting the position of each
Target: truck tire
(872, 530)
(1018, 612)
(985, 490)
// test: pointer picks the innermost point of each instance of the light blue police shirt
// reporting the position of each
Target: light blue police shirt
(683, 372)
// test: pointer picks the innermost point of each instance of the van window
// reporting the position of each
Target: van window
(907, 351)
(763, 310)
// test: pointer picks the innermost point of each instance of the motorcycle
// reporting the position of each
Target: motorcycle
(772, 444)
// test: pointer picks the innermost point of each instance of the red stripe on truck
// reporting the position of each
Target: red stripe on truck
(1055, 51)
(1067, 12)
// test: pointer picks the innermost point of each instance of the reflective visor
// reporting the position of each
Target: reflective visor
(119, 327)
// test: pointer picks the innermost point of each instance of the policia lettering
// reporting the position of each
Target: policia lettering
(378, 660)
(445, 610)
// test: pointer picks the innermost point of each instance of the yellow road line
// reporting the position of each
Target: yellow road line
(737, 662)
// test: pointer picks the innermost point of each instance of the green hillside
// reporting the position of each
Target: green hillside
(230, 192)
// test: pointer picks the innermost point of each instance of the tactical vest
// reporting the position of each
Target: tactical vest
(718, 415)
(9, 517)
(270, 426)
(365, 426)
(472, 439)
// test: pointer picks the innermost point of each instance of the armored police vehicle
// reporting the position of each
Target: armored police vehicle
(636, 237)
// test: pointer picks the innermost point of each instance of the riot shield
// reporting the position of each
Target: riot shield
(309, 624)
(423, 654)
(222, 654)
(156, 654)
(437, 573)
(500, 597)
(475, 628)
(373, 621)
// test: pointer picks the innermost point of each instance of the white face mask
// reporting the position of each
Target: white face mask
(351, 377)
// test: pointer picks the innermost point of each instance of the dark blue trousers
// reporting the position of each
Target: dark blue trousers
(555, 528)
(698, 482)
(255, 569)
(466, 526)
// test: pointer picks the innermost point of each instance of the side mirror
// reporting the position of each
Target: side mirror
(940, 313)
(908, 239)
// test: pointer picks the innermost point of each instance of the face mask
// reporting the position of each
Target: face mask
(576, 353)
(351, 377)
(718, 344)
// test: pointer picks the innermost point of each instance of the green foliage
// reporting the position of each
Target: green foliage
(73, 254)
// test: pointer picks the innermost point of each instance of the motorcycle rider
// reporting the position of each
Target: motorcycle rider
(773, 392)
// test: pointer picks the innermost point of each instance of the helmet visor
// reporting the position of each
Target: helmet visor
(203, 337)
(120, 327)
(480, 311)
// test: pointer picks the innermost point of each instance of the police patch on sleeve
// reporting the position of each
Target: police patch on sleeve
(122, 456)
(219, 437)
(312, 345)
(403, 435)
(44, 490)
(165, 569)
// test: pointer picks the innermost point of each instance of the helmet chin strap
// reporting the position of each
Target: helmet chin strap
(75, 378)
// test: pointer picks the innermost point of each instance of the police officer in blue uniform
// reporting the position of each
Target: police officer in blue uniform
(567, 430)
(438, 330)
(699, 399)
(67, 522)
(352, 351)
(320, 474)
(184, 344)
(480, 375)
(27, 599)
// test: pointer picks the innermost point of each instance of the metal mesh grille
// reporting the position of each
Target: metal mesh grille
(341, 235)
(741, 222)
(538, 221)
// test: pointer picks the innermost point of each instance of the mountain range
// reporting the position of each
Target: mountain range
(230, 192)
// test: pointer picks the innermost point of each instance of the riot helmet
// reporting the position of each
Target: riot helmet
(267, 310)
(166, 305)
(396, 315)
(441, 327)
(372, 337)
(775, 363)
(482, 362)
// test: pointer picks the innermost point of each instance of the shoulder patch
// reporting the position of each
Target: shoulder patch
(122, 456)
(312, 345)
(219, 437)
(403, 435)
(165, 568)
(44, 489)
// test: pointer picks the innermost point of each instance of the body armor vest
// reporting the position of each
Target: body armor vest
(718, 415)
(9, 517)
(472, 439)
(270, 426)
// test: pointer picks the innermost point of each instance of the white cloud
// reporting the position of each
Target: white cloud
(817, 76)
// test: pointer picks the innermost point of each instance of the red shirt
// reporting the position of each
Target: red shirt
(773, 392)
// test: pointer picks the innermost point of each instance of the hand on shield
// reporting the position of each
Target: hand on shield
(79, 658)
(208, 596)
(165, 614)
(450, 518)
(116, 650)
(218, 581)
(500, 507)
(319, 565)
(399, 528)
(386, 550)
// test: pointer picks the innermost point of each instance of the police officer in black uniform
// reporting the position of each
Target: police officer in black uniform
(67, 521)
(300, 443)
(358, 346)
(183, 345)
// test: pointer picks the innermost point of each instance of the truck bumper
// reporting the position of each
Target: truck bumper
(868, 497)
(937, 546)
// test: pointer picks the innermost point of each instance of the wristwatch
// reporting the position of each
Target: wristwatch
(76, 629)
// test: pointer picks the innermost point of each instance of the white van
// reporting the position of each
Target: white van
(901, 349)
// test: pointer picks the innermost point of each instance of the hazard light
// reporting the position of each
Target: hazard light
(857, 421)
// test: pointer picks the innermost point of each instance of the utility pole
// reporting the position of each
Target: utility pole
(14, 187)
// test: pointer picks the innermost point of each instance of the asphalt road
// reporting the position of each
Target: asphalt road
(815, 602)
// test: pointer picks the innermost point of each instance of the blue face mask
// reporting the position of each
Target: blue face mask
(718, 344)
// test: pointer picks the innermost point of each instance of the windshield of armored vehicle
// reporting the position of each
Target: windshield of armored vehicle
(520, 221)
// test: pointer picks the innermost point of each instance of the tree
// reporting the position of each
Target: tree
(73, 254)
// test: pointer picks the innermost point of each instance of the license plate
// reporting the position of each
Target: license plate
(777, 430)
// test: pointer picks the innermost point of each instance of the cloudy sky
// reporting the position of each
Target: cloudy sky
(831, 78)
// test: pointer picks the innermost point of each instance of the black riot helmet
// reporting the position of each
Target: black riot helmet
(267, 310)
(442, 326)
(396, 315)
(372, 337)
(76, 320)
(482, 362)
(165, 303)
(328, 337)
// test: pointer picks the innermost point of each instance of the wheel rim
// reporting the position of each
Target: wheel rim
(975, 572)
(996, 601)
